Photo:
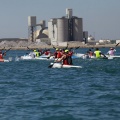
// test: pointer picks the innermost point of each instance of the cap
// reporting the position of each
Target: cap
(111, 48)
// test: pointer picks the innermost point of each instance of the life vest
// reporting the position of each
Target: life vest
(70, 53)
(59, 54)
(46, 53)
(97, 54)
(1, 56)
(111, 52)
(37, 54)
(70, 58)
(90, 53)
(65, 61)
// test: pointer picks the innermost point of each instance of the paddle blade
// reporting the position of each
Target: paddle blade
(117, 44)
(51, 65)
(77, 47)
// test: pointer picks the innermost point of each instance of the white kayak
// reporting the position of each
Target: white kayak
(93, 57)
(59, 65)
(79, 55)
(4, 60)
(28, 57)
(113, 56)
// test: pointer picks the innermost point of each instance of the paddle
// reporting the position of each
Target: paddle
(53, 46)
(29, 48)
(77, 47)
(6, 51)
(51, 65)
(117, 44)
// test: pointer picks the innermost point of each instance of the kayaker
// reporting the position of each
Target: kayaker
(55, 53)
(70, 53)
(111, 52)
(1, 56)
(64, 58)
(90, 53)
(97, 53)
(58, 53)
(37, 54)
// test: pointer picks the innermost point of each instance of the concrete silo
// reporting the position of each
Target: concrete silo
(62, 29)
(52, 28)
(77, 29)
(31, 28)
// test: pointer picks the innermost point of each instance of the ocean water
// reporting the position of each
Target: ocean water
(29, 90)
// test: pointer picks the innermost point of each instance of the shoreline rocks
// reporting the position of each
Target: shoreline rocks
(22, 44)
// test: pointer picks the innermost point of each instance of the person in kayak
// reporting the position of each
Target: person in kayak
(111, 52)
(70, 53)
(2, 56)
(37, 54)
(65, 58)
(98, 53)
(91, 53)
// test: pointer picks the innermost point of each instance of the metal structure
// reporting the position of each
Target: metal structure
(62, 30)
(31, 28)
(77, 29)
(85, 36)
(68, 28)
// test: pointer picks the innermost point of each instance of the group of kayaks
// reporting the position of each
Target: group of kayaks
(60, 65)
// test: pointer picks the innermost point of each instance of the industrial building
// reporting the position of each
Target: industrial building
(64, 29)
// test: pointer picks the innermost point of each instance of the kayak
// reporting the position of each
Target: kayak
(28, 57)
(93, 57)
(59, 65)
(4, 60)
(78, 55)
(113, 56)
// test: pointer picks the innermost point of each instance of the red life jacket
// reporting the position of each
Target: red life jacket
(46, 53)
(59, 54)
(70, 53)
(91, 53)
(65, 61)
(1, 56)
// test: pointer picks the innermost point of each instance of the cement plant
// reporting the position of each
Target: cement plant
(60, 32)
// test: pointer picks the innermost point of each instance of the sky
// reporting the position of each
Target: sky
(101, 18)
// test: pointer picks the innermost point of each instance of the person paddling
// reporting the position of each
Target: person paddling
(1, 56)
(111, 52)
(98, 53)
(65, 58)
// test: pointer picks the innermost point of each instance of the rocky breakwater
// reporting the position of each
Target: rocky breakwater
(21, 44)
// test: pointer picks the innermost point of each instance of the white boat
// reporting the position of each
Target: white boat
(4, 60)
(79, 55)
(59, 65)
(43, 57)
(113, 56)
(93, 57)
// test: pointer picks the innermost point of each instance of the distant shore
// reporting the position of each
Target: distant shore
(50, 47)
(23, 44)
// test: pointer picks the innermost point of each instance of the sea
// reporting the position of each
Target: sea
(29, 90)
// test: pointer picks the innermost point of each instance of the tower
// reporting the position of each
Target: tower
(31, 28)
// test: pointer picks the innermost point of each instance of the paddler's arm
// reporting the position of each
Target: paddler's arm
(60, 59)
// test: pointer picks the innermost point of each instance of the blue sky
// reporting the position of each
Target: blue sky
(101, 18)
